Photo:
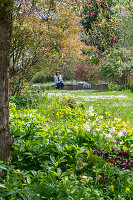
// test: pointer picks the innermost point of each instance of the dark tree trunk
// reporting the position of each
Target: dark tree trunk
(5, 42)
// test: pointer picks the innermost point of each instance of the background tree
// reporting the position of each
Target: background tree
(119, 60)
(26, 52)
(44, 37)
(126, 25)
(108, 26)
(101, 26)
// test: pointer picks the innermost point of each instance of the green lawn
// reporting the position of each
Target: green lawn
(118, 103)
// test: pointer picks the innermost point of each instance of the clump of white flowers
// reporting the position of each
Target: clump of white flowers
(87, 126)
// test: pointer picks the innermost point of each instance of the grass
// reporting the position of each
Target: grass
(118, 103)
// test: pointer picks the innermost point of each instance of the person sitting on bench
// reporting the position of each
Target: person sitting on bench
(58, 80)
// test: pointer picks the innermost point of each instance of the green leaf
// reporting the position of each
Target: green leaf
(52, 158)
(80, 194)
(2, 185)
(3, 167)
(34, 173)
(67, 173)
(22, 195)
(28, 179)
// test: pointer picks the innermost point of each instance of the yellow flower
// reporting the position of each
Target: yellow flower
(57, 114)
(111, 187)
(127, 189)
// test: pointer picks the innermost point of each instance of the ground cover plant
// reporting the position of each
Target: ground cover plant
(70, 145)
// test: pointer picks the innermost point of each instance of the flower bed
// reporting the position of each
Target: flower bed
(66, 150)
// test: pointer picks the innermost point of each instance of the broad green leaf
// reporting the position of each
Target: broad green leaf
(2, 185)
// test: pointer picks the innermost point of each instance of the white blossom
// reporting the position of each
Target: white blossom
(124, 132)
(108, 136)
(112, 130)
(100, 117)
(91, 111)
(98, 129)
(87, 127)
(120, 134)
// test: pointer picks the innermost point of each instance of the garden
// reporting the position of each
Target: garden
(75, 143)
(70, 145)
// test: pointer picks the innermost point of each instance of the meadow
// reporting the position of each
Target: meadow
(70, 145)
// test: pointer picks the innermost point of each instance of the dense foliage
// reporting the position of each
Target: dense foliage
(100, 23)
(45, 36)
(117, 66)
(65, 149)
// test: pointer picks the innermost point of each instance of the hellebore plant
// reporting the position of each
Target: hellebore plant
(121, 159)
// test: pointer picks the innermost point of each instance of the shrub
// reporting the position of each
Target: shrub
(82, 72)
(130, 86)
(116, 87)
(42, 76)
(117, 66)
(29, 98)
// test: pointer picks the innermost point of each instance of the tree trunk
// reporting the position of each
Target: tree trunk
(5, 42)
